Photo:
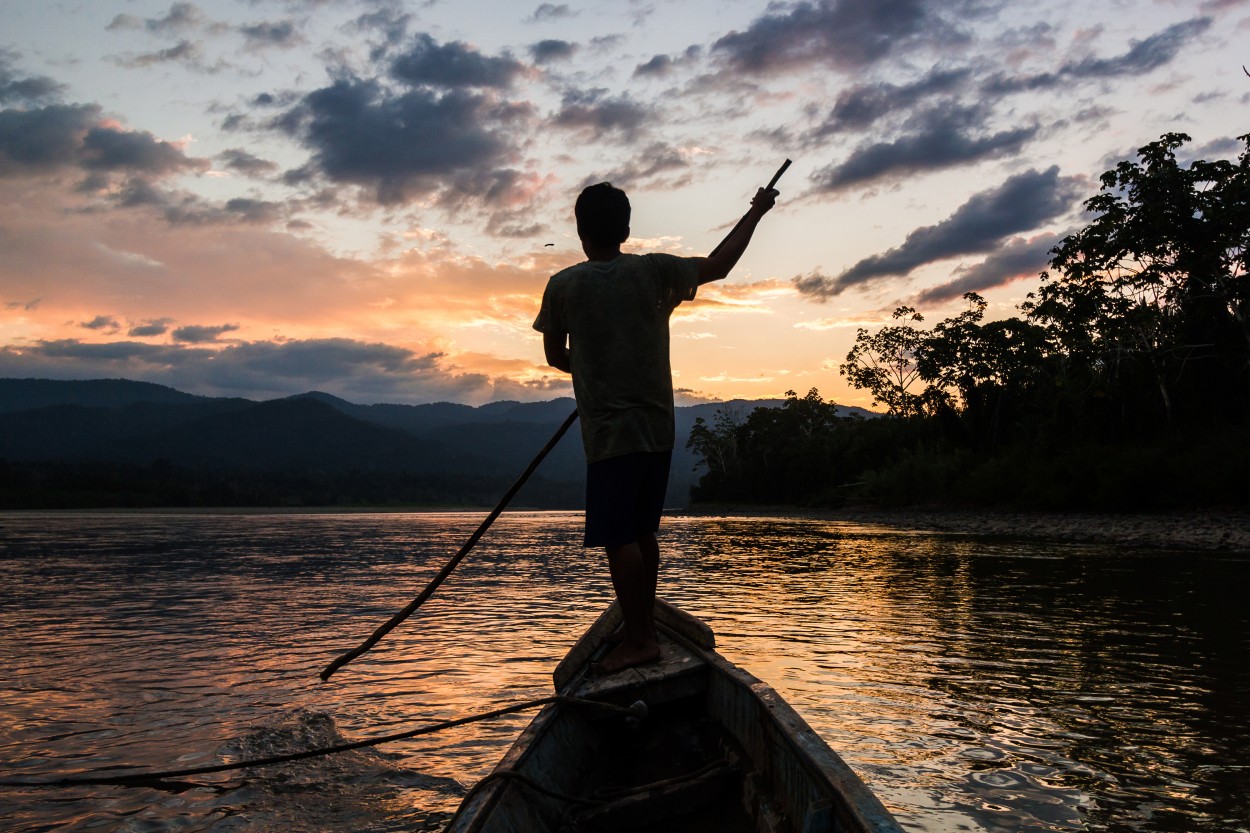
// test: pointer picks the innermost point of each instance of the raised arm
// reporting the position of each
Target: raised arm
(718, 264)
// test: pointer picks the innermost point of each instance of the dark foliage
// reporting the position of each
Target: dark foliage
(1124, 384)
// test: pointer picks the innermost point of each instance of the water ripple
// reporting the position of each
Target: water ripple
(976, 684)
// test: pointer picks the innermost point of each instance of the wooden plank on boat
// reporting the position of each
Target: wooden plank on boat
(667, 617)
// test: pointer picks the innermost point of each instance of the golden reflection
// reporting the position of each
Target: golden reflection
(973, 683)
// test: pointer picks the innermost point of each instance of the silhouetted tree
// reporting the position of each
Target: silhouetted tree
(1155, 287)
(884, 363)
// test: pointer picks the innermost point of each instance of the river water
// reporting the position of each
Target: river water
(975, 684)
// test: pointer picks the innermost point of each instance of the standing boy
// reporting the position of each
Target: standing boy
(605, 321)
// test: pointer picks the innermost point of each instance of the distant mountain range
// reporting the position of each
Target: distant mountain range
(120, 442)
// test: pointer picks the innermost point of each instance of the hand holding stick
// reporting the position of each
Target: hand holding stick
(768, 191)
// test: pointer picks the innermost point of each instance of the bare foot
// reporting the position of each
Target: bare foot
(626, 655)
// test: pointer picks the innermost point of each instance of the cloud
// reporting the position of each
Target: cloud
(452, 65)
(283, 34)
(1016, 258)
(653, 160)
(546, 51)
(45, 138)
(181, 208)
(662, 65)
(150, 329)
(31, 90)
(65, 136)
(1021, 203)
(356, 370)
(594, 112)
(1142, 56)
(939, 138)
(237, 159)
(180, 17)
(25, 306)
(101, 322)
(389, 22)
(844, 34)
(550, 11)
(185, 52)
(199, 334)
(405, 146)
(863, 104)
(112, 149)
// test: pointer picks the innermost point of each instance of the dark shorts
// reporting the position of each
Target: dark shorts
(624, 497)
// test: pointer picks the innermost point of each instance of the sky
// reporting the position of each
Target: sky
(260, 198)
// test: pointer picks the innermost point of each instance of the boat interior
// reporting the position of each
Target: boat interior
(704, 747)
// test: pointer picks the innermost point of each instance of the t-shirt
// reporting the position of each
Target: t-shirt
(616, 315)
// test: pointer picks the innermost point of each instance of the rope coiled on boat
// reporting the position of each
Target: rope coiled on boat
(139, 779)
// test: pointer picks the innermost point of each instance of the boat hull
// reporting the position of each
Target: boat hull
(718, 750)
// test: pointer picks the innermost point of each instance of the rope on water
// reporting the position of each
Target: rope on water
(139, 779)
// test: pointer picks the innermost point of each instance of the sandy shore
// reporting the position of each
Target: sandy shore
(1226, 530)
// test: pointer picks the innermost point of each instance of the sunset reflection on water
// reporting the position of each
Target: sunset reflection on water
(974, 684)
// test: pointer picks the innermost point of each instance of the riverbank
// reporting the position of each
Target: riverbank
(1224, 530)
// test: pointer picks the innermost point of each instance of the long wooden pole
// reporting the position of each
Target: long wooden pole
(455, 560)
(391, 623)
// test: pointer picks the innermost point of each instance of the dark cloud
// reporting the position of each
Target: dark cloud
(237, 159)
(148, 329)
(863, 104)
(657, 158)
(124, 21)
(845, 34)
(355, 370)
(546, 51)
(101, 322)
(43, 139)
(658, 65)
(402, 146)
(106, 148)
(601, 115)
(453, 64)
(186, 209)
(248, 210)
(283, 33)
(1142, 57)
(30, 90)
(1016, 258)
(1022, 203)
(550, 11)
(184, 52)
(25, 306)
(180, 17)
(197, 334)
(390, 23)
(662, 65)
(939, 138)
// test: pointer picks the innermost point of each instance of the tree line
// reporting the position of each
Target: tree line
(1124, 382)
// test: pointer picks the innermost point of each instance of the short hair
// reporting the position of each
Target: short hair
(602, 213)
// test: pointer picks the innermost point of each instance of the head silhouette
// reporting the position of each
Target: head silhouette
(602, 213)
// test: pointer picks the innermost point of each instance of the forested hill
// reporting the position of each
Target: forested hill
(115, 442)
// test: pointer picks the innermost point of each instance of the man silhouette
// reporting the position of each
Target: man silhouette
(605, 321)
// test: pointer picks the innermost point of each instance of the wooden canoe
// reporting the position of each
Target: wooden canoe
(717, 751)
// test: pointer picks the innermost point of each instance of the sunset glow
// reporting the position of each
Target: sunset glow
(366, 198)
